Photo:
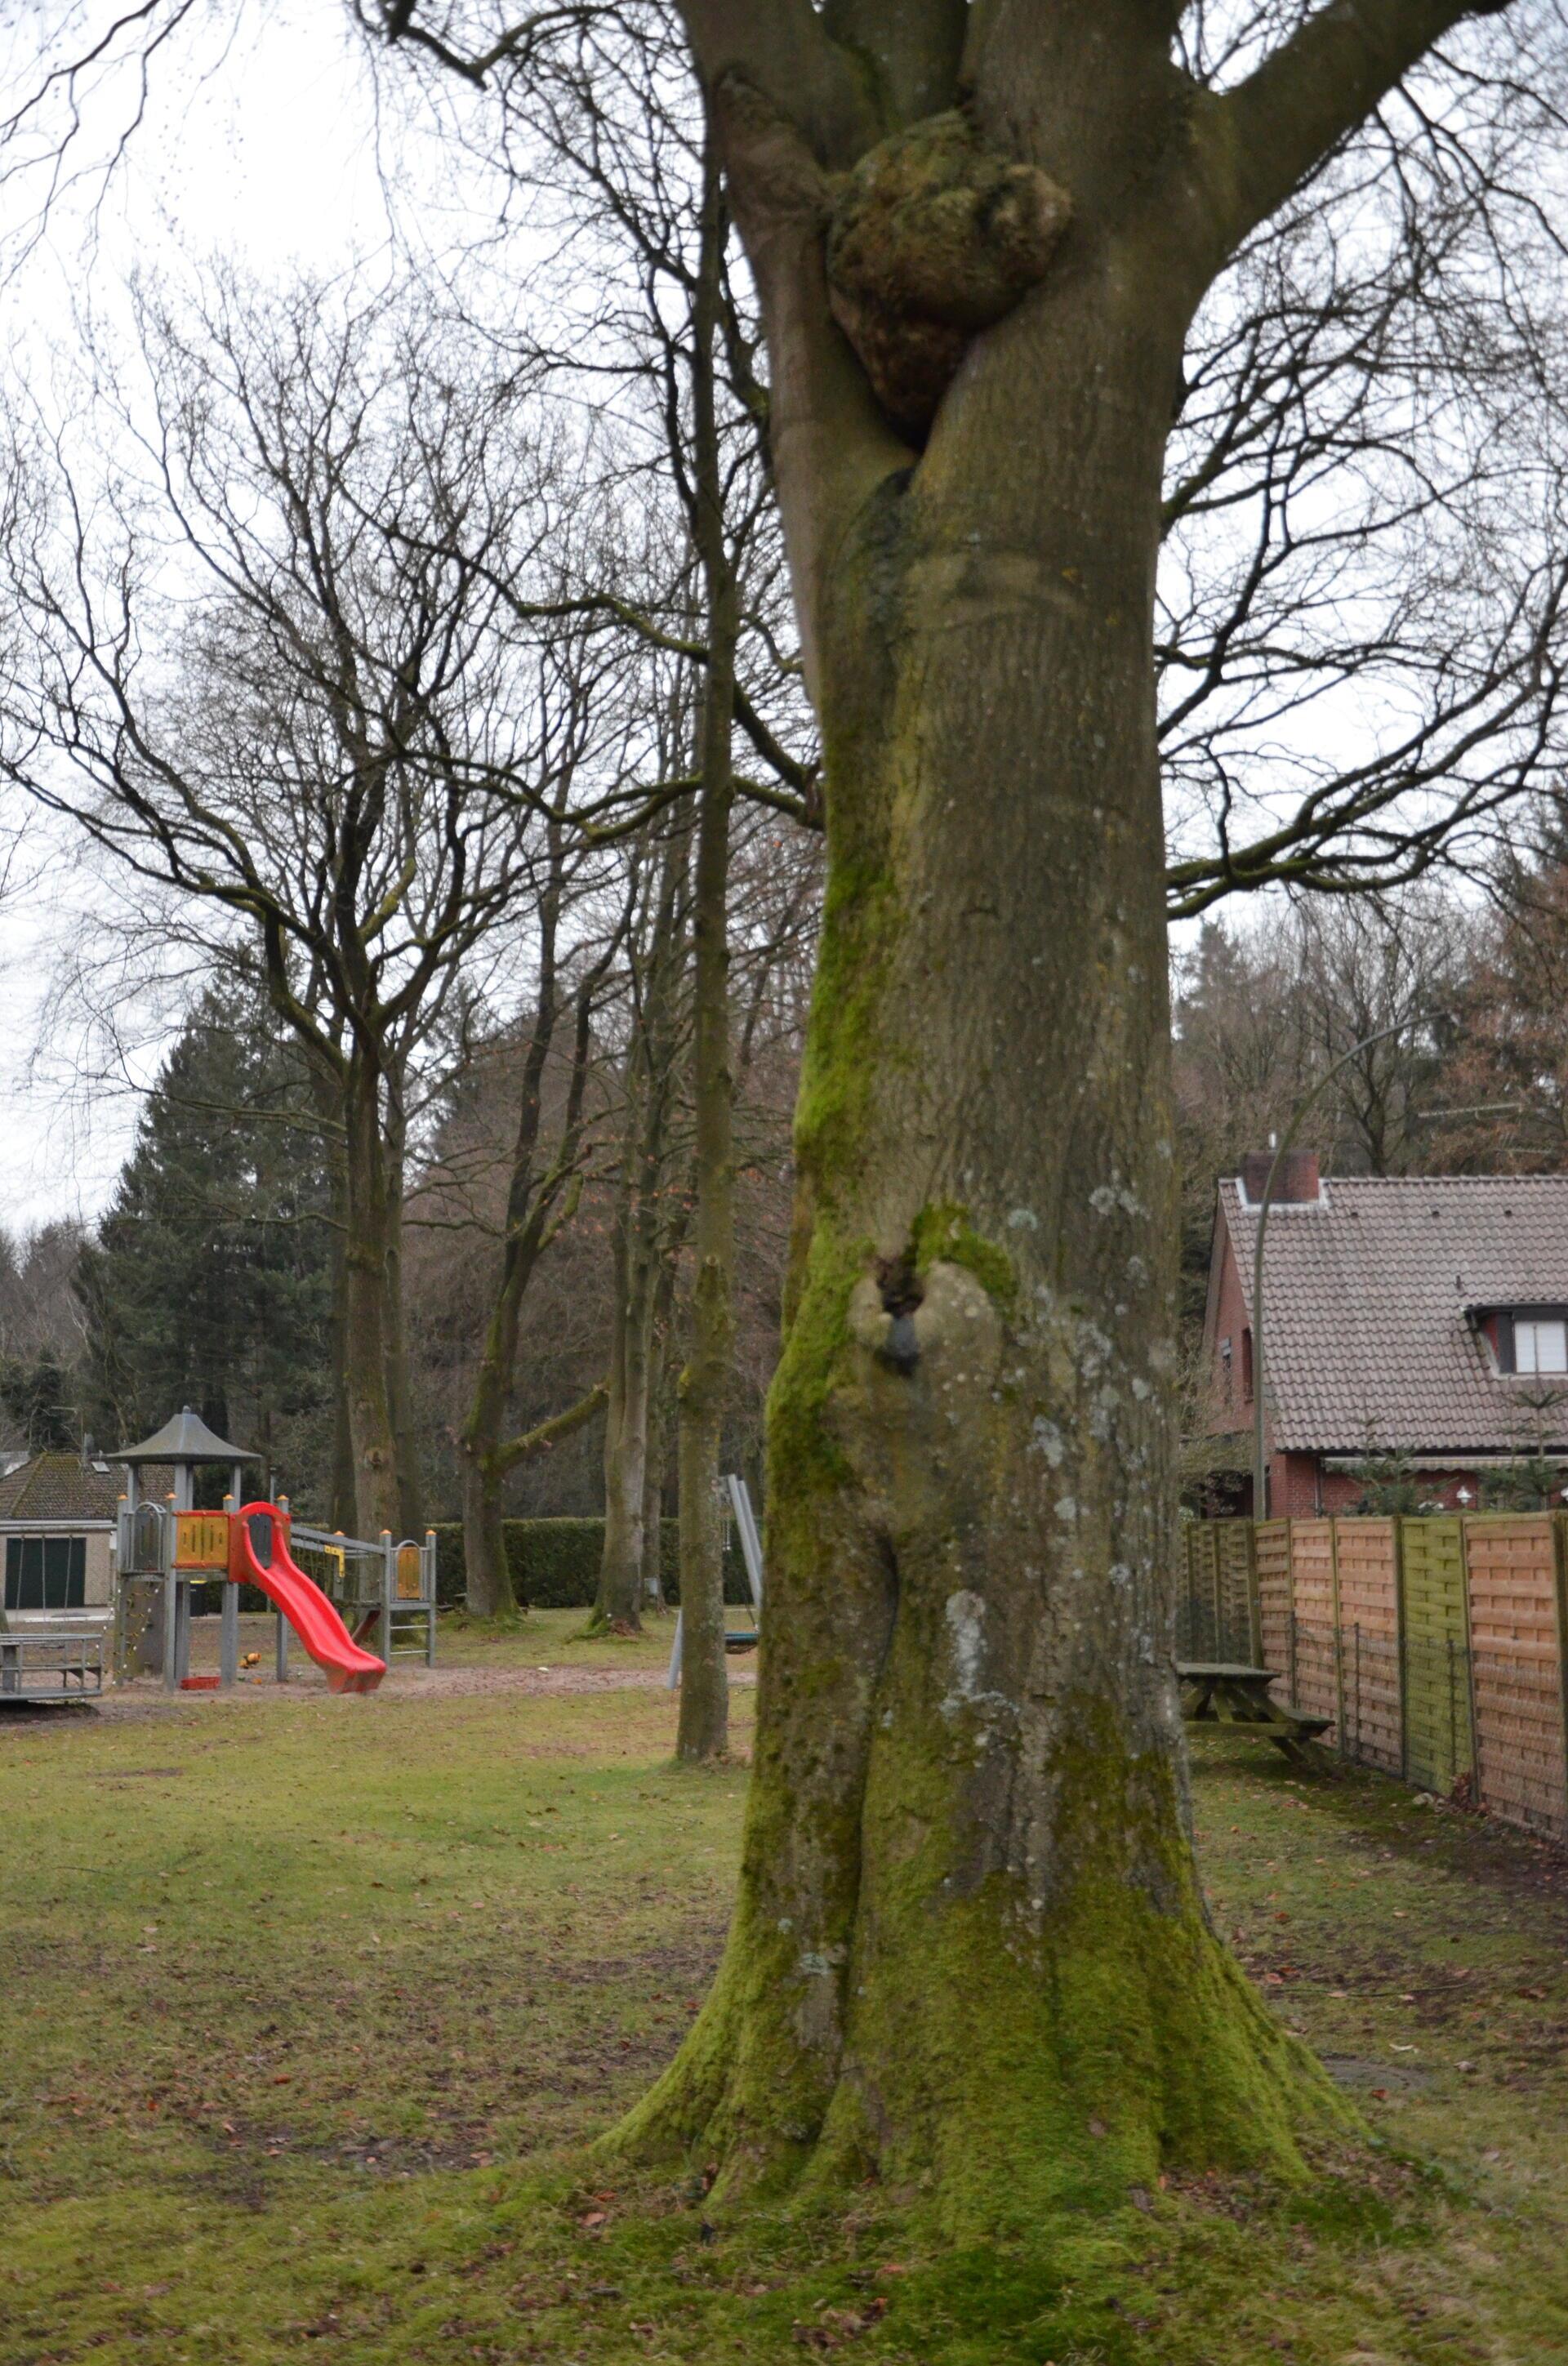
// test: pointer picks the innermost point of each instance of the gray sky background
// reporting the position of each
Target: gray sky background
(262, 146)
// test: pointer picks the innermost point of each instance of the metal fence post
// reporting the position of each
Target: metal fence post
(388, 1588)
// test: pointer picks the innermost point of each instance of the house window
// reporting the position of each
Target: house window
(46, 1572)
(1246, 1363)
(1540, 1345)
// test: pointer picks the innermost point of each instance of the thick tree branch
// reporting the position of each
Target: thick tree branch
(1266, 136)
(550, 1433)
(781, 49)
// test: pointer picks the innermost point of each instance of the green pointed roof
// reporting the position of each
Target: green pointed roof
(186, 1438)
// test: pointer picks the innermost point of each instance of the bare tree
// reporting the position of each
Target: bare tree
(273, 671)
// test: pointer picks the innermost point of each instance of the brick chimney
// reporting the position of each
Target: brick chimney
(1295, 1186)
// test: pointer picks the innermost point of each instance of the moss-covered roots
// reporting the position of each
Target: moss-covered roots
(1000, 2062)
(970, 1956)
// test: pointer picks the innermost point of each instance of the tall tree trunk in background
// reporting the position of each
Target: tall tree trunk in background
(658, 1414)
(970, 1954)
(640, 1242)
(367, 1243)
(619, 1603)
(411, 1494)
(704, 1729)
(326, 1097)
(539, 1199)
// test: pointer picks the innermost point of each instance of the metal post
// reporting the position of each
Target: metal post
(170, 1637)
(229, 1641)
(282, 1648)
(229, 1607)
(182, 1624)
(427, 1588)
(389, 1589)
(751, 1544)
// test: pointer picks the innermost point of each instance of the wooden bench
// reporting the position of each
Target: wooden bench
(1217, 1692)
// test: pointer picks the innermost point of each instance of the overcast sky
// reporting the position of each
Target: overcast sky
(260, 140)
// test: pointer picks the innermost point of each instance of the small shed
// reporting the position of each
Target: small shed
(57, 1520)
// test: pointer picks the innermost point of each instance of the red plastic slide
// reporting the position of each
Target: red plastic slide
(301, 1601)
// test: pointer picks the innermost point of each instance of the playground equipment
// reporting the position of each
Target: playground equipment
(384, 1589)
(51, 1667)
(163, 1550)
(258, 1551)
(738, 1639)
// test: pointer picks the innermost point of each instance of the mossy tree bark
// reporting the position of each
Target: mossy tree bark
(970, 1953)
(704, 1727)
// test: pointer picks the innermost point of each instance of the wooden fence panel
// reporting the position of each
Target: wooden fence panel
(1271, 1551)
(1199, 1641)
(1439, 1748)
(1366, 1561)
(1516, 1636)
(1313, 1603)
(1236, 1592)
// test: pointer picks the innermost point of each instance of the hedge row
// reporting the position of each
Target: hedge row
(555, 1563)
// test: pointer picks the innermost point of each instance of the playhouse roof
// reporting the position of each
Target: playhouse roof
(186, 1438)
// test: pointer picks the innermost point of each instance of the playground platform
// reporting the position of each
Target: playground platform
(51, 1667)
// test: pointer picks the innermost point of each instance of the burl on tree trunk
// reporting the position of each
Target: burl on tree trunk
(971, 1955)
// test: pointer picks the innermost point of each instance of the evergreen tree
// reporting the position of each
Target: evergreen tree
(36, 1393)
(208, 1282)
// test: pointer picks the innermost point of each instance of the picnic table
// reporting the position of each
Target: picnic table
(1220, 1693)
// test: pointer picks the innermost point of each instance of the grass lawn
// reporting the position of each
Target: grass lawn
(308, 2001)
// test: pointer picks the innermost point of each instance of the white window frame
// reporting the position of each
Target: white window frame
(1529, 1341)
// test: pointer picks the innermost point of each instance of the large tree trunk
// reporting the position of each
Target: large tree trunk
(489, 1592)
(970, 1953)
(366, 1247)
(703, 1727)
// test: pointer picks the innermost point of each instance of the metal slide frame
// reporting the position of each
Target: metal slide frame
(739, 1496)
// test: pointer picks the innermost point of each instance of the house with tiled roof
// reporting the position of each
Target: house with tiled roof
(57, 1519)
(1417, 1317)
